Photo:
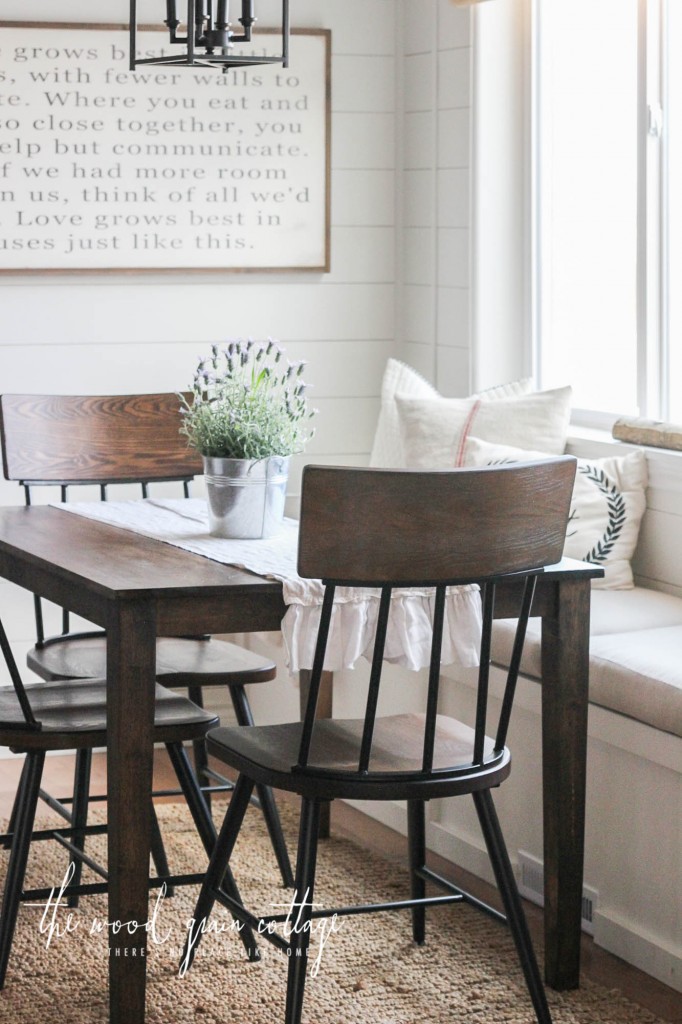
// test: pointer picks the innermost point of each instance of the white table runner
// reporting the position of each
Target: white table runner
(184, 523)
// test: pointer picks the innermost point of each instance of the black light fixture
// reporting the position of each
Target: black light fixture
(207, 36)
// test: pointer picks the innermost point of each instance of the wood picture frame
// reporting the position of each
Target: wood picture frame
(185, 169)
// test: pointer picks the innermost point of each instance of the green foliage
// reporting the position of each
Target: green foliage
(248, 402)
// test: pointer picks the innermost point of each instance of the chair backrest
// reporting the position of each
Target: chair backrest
(69, 440)
(77, 439)
(398, 528)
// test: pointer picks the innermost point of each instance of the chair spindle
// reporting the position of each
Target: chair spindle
(515, 663)
(316, 675)
(484, 671)
(434, 680)
(375, 679)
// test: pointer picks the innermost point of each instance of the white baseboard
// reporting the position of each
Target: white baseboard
(621, 937)
(625, 939)
(465, 851)
(441, 840)
(391, 813)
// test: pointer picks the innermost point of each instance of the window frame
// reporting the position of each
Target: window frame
(652, 300)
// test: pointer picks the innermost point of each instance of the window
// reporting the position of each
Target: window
(608, 203)
(673, 212)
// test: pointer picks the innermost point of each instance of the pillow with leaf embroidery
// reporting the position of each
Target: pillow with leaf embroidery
(609, 498)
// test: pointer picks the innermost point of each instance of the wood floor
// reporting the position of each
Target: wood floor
(597, 965)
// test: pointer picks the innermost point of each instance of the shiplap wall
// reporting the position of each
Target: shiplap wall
(399, 278)
(434, 252)
(399, 281)
(119, 333)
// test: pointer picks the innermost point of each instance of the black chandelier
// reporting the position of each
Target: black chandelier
(207, 36)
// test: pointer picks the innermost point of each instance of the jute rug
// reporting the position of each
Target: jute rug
(369, 971)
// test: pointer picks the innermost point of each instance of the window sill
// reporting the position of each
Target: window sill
(594, 442)
(664, 464)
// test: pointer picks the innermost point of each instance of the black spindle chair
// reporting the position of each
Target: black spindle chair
(387, 529)
(66, 441)
(71, 715)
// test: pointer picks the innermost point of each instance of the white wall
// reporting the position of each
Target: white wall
(119, 333)
(399, 281)
(434, 299)
(501, 199)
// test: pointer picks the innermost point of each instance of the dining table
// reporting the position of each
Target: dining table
(137, 589)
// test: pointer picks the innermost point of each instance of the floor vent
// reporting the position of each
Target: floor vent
(532, 887)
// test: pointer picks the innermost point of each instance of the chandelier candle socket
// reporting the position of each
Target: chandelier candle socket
(207, 37)
(247, 414)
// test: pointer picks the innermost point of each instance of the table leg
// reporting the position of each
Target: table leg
(131, 668)
(565, 677)
(324, 710)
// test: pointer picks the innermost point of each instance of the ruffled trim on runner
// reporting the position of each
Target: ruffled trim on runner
(408, 640)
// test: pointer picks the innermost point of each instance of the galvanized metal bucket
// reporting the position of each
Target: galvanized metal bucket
(246, 496)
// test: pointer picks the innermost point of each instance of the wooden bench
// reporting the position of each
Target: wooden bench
(633, 853)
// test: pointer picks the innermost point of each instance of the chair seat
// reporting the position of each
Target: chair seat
(179, 662)
(73, 715)
(268, 753)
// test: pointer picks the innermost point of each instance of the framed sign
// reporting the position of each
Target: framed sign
(164, 168)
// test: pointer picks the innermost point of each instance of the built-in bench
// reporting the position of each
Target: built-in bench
(635, 655)
(633, 847)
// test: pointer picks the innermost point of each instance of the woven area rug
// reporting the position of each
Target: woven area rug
(369, 971)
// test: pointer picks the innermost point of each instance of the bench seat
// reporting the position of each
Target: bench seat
(635, 654)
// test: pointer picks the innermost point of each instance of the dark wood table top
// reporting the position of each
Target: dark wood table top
(114, 564)
(86, 565)
(109, 560)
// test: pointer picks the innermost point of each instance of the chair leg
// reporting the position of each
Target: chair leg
(16, 869)
(305, 886)
(274, 826)
(208, 835)
(81, 794)
(516, 918)
(207, 832)
(196, 800)
(217, 873)
(416, 837)
(158, 851)
(195, 694)
(79, 815)
(266, 797)
(17, 803)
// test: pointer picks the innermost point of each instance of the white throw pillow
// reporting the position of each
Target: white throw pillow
(609, 498)
(398, 377)
(434, 430)
(387, 450)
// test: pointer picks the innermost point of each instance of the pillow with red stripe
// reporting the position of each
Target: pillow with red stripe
(434, 431)
(399, 378)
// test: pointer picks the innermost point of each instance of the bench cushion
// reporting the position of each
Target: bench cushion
(640, 675)
(635, 654)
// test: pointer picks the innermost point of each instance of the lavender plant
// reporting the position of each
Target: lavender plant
(248, 402)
